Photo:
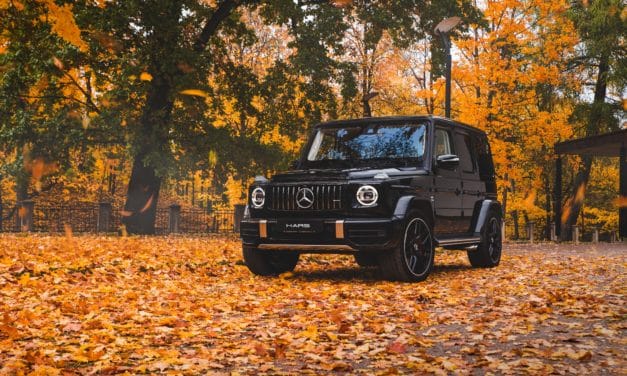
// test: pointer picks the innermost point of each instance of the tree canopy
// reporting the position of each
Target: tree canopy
(211, 93)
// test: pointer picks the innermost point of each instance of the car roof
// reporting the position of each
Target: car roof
(394, 119)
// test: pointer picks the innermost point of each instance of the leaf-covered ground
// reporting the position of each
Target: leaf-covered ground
(109, 305)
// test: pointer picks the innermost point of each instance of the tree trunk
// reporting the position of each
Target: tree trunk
(151, 140)
(143, 188)
(367, 112)
(581, 180)
(141, 199)
(504, 196)
(21, 188)
(21, 184)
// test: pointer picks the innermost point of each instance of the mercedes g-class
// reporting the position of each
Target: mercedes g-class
(387, 190)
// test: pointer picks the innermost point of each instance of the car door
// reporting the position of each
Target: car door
(447, 187)
(473, 188)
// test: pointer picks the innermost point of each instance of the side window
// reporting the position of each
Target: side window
(466, 157)
(484, 159)
(442, 142)
(473, 154)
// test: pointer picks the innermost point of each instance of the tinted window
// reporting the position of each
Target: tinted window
(377, 141)
(442, 142)
(484, 159)
(466, 158)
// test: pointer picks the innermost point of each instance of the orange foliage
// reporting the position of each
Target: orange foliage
(175, 305)
(62, 21)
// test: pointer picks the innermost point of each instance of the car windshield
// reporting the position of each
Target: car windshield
(367, 144)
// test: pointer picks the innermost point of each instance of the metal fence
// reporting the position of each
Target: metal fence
(104, 217)
(9, 217)
(80, 218)
(542, 233)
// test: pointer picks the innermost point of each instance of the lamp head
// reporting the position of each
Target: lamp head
(447, 25)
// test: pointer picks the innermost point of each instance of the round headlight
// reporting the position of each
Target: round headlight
(367, 195)
(258, 197)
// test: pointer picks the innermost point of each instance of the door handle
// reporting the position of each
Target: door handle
(458, 191)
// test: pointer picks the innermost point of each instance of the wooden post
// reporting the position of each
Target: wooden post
(530, 231)
(553, 233)
(595, 235)
(576, 234)
(622, 189)
(174, 219)
(104, 217)
(557, 197)
(25, 215)
(238, 215)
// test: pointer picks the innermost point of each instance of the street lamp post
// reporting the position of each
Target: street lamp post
(443, 29)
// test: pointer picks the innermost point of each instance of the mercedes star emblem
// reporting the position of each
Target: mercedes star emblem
(304, 198)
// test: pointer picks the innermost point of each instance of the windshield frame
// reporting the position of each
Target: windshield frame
(419, 163)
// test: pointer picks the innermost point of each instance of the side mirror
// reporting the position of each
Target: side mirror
(294, 164)
(448, 161)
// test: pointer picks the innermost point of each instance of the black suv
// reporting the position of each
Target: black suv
(388, 190)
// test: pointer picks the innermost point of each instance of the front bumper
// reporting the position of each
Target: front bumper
(335, 235)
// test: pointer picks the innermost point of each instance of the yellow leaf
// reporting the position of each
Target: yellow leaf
(9, 330)
(195, 93)
(582, 355)
(341, 3)
(58, 63)
(621, 202)
(311, 333)
(145, 76)
(61, 18)
(286, 275)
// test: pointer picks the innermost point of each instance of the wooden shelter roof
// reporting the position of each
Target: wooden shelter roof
(603, 145)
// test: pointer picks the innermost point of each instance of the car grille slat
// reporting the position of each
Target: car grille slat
(326, 197)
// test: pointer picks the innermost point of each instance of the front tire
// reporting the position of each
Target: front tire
(412, 260)
(488, 253)
(267, 263)
(366, 260)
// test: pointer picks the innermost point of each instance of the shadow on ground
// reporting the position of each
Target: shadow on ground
(370, 274)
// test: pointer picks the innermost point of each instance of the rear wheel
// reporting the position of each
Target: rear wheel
(488, 253)
(365, 259)
(412, 260)
(266, 263)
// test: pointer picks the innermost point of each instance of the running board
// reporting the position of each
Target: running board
(459, 241)
(309, 248)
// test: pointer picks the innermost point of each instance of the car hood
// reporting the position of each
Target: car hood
(345, 174)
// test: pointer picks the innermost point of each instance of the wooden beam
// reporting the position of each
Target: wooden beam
(605, 145)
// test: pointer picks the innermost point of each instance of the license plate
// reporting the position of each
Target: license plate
(301, 227)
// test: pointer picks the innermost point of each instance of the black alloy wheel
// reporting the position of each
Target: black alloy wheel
(488, 252)
(412, 260)
(266, 263)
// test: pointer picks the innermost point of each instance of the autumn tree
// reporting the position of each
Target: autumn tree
(511, 82)
(150, 66)
(377, 31)
(600, 25)
(45, 94)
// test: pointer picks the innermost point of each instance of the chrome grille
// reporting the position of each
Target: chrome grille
(326, 197)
